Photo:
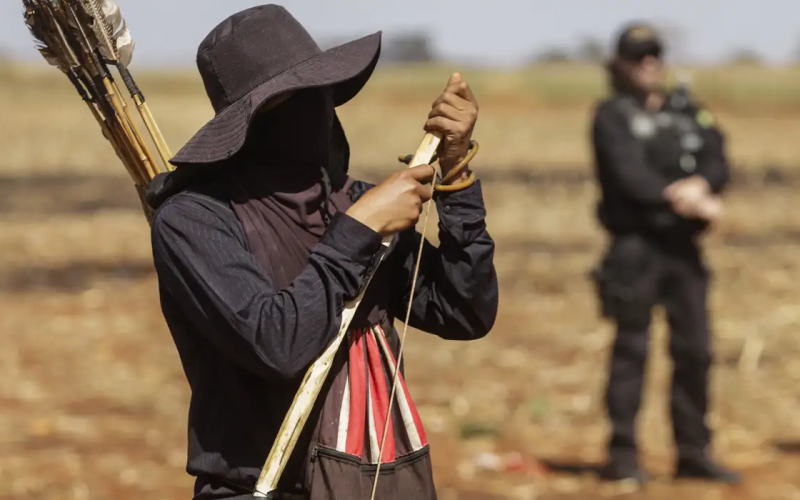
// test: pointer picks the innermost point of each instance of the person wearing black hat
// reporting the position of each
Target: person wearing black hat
(661, 165)
(259, 239)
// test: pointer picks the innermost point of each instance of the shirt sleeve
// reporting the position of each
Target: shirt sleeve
(456, 295)
(624, 159)
(713, 163)
(231, 301)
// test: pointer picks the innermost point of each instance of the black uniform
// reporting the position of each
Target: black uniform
(654, 259)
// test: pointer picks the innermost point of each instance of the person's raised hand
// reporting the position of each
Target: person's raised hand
(453, 115)
(395, 204)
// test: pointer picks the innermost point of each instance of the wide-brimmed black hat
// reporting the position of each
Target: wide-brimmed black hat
(257, 54)
(638, 40)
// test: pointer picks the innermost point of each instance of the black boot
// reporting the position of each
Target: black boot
(705, 468)
(619, 471)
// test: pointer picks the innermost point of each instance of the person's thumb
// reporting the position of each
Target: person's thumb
(422, 173)
(453, 83)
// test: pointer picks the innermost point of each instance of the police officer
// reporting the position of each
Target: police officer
(661, 165)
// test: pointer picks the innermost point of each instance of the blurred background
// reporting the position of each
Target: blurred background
(93, 401)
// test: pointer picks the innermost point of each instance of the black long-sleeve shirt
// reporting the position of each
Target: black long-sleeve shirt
(633, 172)
(245, 345)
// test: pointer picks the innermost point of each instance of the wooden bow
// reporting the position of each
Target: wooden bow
(310, 387)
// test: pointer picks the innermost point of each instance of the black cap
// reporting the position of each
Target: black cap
(637, 41)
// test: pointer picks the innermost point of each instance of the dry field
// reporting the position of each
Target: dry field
(93, 402)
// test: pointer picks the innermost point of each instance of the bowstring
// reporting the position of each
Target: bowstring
(429, 203)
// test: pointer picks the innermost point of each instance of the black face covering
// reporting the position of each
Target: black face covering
(295, 134)
(296, 153)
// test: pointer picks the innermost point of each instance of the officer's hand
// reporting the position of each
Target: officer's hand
(453, 114)
(708, 208)
(692, 198)
(689, 197)
(711, 209)
(688, 191)
(395, 204)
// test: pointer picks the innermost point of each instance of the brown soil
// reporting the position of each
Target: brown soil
(93, 401)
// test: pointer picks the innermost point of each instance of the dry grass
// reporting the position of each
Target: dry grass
(92, 397)
(536, 117)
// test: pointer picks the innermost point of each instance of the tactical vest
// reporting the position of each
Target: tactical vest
(672, 136)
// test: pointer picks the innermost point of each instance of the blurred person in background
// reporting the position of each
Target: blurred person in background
(260, 239)
(661, 165)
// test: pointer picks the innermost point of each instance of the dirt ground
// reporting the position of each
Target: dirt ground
(93, 402)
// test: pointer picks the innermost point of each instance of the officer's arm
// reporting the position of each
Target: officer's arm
(625, 160)
(713, 162)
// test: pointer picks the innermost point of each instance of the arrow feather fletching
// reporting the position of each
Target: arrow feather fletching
(112, 30)
(43, 43)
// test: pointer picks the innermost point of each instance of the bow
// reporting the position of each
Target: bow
(303, 403)
(444, 186)
(399, 363)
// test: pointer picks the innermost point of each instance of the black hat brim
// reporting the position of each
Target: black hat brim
(636, 51)
(346, 68)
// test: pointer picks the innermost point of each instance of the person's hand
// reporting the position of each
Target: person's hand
(453, 115)
(710, 209)
(687, 194)
(688, 190)
(692, 198)
(395, 204)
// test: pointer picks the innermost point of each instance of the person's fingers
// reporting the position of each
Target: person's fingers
(453, 100)
(672, 190)
(685, 192)
(448, 111)
(421, 173)
(425, 193)
(445, 126)
(678, 202)
(682, 207)
(453, 83)
(700, 183)
(708, 214)
(465, 92)
(712, 205)
(685, 199)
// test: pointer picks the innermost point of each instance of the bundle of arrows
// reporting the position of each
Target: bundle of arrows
(84, 39)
